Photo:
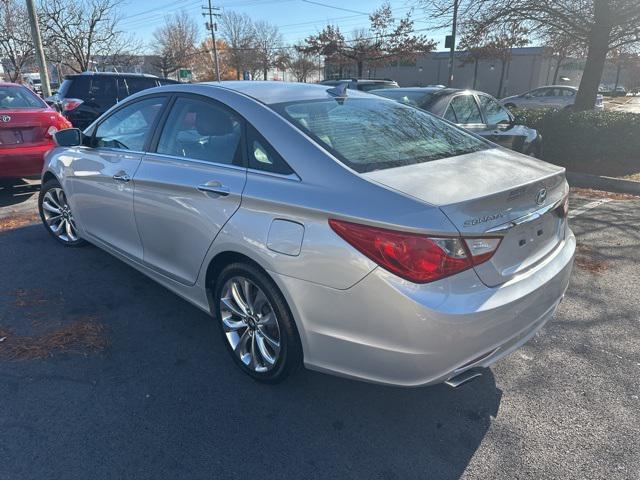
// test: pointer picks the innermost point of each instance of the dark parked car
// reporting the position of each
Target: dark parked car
(84, 97)
(363, 84)
(473, 110)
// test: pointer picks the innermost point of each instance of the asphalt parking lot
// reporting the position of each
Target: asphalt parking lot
(106, 375)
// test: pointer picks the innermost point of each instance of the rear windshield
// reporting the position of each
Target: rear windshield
(19, 97)
(366, 87)
(415, 99)
(373, 133)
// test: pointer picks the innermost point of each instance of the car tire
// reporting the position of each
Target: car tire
(251, 337)
(56, 214)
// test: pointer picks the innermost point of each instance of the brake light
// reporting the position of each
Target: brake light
(69, 104)
(415, 257)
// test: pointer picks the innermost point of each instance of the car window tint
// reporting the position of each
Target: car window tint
(201, 130)
(138, 84)
(541, 92)
(129, 127)
(567, 92)
(493, 111)
(262, 156)
(12, 97)
(104, 90)
(466, 109)
(75, 87)
(450, 115)
(370, 134)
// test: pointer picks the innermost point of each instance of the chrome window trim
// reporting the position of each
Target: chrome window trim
(195, 160)
(289, 176)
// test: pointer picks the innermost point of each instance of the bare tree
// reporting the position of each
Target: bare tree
(474, 51)
(386, 39)
(175, 42)
(301, 64)
(16, 46)
(77, 30)
(598, 25)
(268, 43)
(238, 32)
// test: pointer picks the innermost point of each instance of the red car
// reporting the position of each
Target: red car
(27, 125)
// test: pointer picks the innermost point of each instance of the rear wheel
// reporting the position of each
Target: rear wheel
(257, 326)
(56, 214)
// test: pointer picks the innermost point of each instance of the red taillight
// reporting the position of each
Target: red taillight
(70, 104)
(414, 257)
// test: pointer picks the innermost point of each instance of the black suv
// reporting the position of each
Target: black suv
(84, 97)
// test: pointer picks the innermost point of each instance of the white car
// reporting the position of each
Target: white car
(554, 96)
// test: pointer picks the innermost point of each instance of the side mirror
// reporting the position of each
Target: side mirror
(69, 137)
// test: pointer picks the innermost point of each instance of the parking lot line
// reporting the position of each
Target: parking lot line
(588, 206)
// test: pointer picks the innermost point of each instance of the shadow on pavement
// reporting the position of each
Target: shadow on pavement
(16, 190)
(165, 401)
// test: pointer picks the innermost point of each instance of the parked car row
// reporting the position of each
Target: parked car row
(324, 226)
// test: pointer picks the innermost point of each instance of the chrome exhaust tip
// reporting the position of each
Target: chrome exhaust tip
(464, 377)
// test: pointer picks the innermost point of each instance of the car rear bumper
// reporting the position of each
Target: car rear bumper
(24, 161)
(387, 330)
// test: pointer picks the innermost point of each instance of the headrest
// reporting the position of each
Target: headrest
(213, 122)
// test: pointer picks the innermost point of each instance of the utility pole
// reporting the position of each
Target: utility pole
(452, 44)
(211, 26)
(37, 43)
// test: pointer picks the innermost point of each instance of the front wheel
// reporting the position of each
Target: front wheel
(56, 214)
(257, 326)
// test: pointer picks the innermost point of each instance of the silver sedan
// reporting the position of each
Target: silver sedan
(320, 226)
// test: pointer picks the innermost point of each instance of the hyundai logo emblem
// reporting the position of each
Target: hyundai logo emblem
(5, 118)
(541, 196)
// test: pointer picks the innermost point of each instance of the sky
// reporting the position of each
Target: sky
(296, 19)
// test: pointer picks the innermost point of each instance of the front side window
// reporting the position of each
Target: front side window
(493, 111)
(372, 134)
(129, 127)
(12, 97)
(202, 130)
(464, 109)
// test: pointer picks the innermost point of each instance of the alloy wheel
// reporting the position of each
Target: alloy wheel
(250, 324)
(57, 215)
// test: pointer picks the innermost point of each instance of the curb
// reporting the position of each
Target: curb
(608, 184)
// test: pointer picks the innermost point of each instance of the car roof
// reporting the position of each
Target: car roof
(570, 87)
(360, 80)
(270, 92)
(115, 74)
(10, 84)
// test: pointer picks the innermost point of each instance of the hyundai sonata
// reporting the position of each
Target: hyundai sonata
(321, 226)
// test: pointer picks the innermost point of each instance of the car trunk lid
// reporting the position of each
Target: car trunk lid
(493, 192)
(25, 127)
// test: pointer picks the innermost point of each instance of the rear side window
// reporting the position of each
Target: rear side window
(464, 109)
(493, 111)
(372, 134)
(129, 127)
(104, 89)
(75, 87)
(201, 130)
(138, 84)
(263, 156)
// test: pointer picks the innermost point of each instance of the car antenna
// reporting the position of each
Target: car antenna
(339, 91)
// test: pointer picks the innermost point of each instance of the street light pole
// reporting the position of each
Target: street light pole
(452, 47)
(37, 43)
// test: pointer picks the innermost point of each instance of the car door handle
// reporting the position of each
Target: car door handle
(219, 189)
(121, 177)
